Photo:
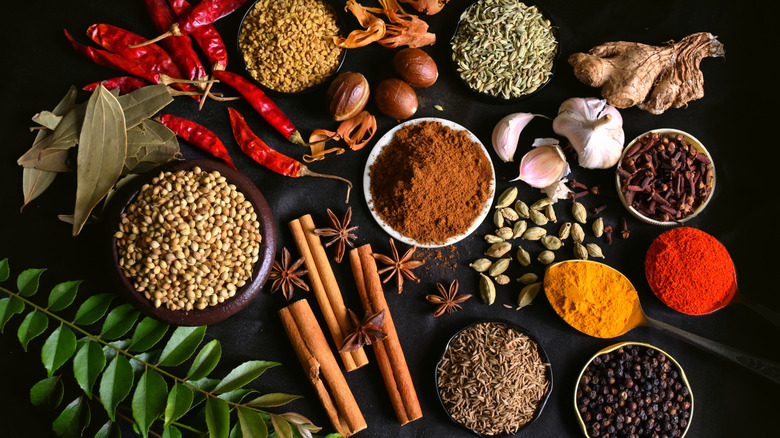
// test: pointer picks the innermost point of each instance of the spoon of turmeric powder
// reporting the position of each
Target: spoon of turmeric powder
(599, 301)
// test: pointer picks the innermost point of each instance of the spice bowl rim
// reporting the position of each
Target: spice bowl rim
(127, 193)
(613, 347)
(542, 355)
(696, 143)
(498, 99)
(384, 141)
(311, 88)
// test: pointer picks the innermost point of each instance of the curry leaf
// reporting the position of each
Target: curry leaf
(31, 327)
(236, 395)
(88, 364)
(182, 343)
(5, 270)
(141, 361)
(217, 414)
(47, 393)
(73, 420)
(272, 400)
(149, 400)
(28, 282)
(243, 374)
(144, 102)
(101, 153)
(178, 403)
(205, 385)
(8, 308)
(252, 423)
(63, 295)
(57, 349)
(171, 432)
(119, 321)
(109, 430)
(206, 360)
(93, 308)
(147, 334)
(281, 426)
(115, 384)
(148, 145)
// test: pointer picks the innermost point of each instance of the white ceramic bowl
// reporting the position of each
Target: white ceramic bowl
(383, 142)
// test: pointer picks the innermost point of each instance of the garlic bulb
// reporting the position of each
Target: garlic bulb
(506, 134)
(593, 128)
(545, 167)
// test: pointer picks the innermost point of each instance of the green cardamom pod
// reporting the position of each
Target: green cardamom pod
(498, 249)
(523, 256)
(498, 218)
(579, 212)
(549, 211)
(487, 290)
(598, 227)
(552, 242)
(519, 228)
(490, 238)
(537, 217)
(540, 204)
(594, 250)
(580, 251)
(509, 214)
(528, 278)
(507, 198)
(564, 231)
(502, 279)
(481, 265)
(499, 266)
(534, 233)
(546, 257)
(577, 233)
(528, 294)
(522, 209)
(505, 233)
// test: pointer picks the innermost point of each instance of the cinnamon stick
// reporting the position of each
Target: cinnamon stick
(321, 368)
(326, 289)
(389, 354)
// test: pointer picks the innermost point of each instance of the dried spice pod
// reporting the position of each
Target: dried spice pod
(594, 250)
(492, 238)
(528, 294)
(507, 197)
(546, 257)
(502, 279)
(521, 208)
(577, 233)
(580, 251)
(519, 228)
(498, 249)
(498, 219)
(534, 233)
(523, 257)
(528, 278)
(481, 265)
(541, 204)
(551, 242)
(499, 266)
(598, 227)
(564, 231)
(538, 217)
(487, 290)
(505, 233)
(549, 211)
(578, 212)
(509, 214)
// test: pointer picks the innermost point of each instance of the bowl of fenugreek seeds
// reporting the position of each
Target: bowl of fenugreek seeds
(287, 45)
(504, 50)
(192, 242)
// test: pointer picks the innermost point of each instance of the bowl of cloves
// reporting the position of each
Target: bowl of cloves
(665, 177)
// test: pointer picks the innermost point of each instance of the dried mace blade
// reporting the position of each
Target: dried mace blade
(447, 301)
(399, 267)
(287, 276)
(341, 233)
(364, 332)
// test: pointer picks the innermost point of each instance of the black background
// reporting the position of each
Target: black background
(734, 120)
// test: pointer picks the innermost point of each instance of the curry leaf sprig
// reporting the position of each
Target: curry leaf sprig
(120, 369)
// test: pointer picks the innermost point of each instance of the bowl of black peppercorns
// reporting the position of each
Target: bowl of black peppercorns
(633, 389)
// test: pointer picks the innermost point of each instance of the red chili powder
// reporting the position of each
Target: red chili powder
(690, 271)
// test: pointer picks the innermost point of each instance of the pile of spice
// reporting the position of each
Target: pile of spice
(690, 271)
(591, 297)
(430, 182)
(288, 45)
(492, 379)
(504, 48)
(189, 240)
(634, 391)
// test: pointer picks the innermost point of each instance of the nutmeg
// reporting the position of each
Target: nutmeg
(347, 95)
(416, 67)
(396, 98)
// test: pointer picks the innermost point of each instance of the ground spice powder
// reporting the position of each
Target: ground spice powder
(430, 182)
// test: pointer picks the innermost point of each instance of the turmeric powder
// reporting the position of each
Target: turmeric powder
(591, 297)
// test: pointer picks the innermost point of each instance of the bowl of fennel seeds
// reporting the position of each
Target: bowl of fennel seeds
(493, 378)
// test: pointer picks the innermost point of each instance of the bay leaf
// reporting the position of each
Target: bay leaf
(144, 102)
(101, 153)
(47, 119)
(149, 144)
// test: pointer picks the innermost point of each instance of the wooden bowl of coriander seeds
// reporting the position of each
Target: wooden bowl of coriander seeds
(287, 46)
(192, 242)
(504, 50)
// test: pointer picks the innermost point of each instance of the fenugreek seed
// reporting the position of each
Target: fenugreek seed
(528, 278)
(551, 242)
(499, 267)
(518, 228)
(498, 249)
(580, 251)
(521, 209)
(504, 233)
(523, 257)
(594, 250)
(498, 219)
(487, 290)
(541, 204)
(481, 265)
(578, 212)
(509, 214)
(534, 233)
(537, 217)
(598, 227)
(546, 257)
(492, 238)
(507, 197)
(502, 279)
(577, 233)
(549, 211)
(564, 231)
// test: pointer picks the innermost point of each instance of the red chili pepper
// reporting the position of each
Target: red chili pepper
(202, 14)
(180, 48)
(125, 84)
(273, 160)
(262, 103)
(206, 37)
(112, 60)
(198, 136)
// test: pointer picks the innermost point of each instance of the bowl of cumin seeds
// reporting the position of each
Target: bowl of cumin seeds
(493, 378)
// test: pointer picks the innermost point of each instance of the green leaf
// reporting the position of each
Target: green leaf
(217, 417)
(115, 384)
(236, 395)
(149, 145)
(101, 153)
(93, 308)
(110, 349)
(57, 349)
(147, 334)
(28, 281)
(109, 430)
(73, 420)
(252, 423)
(63, 295)
(206, 385)
(281, 426)
(183, 342)
(88, 364)
(8, 308)
(32, 326)
(171, 432)
(47, 393)
(243, 374)
(272, 400)
(144, 102)
(5, 270)
(206, 360)
(179, 403)
(149, 400)
(119, 321)
(142, 360)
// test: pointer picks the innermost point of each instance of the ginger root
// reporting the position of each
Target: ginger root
(654, 78)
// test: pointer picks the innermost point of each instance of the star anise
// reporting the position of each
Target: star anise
(364, 332)
(286, 276)
(341, 233)
(447, 301)
(399, 267)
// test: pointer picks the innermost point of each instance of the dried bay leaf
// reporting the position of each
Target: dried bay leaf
(149, 144)
(47, 119)
(143, 103)
(101, 153)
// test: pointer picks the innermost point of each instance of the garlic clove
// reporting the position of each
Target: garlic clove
(594, 129)
(506, 134)
(544, 165)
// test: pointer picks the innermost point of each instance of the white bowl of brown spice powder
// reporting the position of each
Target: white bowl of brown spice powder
(429, 182)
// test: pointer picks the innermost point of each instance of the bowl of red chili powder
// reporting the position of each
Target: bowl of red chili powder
(690, 271)
(429, 182)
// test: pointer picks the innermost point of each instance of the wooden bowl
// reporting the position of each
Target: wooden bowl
(126, 194)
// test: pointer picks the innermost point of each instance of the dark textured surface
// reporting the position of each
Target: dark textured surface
(732, 120)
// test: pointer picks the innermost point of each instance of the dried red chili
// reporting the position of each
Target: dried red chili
(202, 14)
(180, 48)
(206, 37)
(198, 136)
(262, 103)
(112, 60)
(273, 160)
(124, 84)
